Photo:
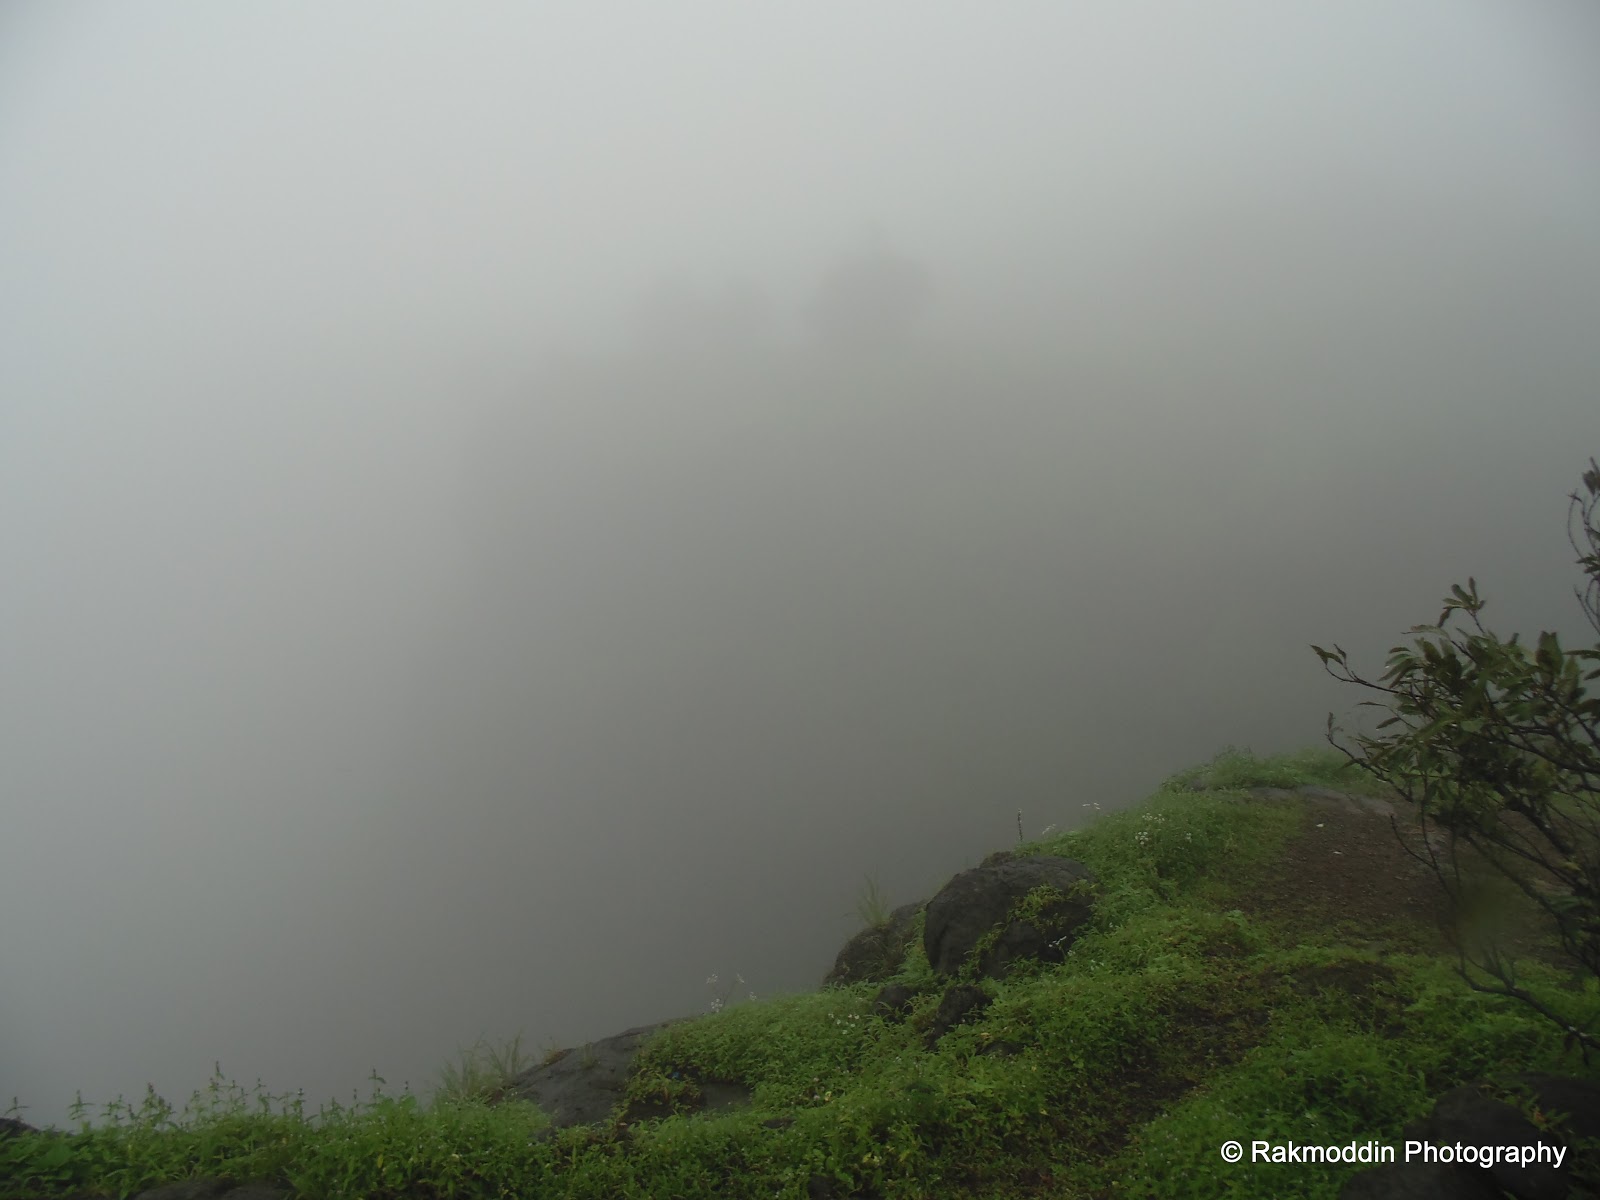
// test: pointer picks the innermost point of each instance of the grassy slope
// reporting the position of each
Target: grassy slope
(1177, 1022)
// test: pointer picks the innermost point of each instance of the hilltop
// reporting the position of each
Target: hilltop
(1262, 960)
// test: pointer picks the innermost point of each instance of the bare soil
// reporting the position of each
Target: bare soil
(1358, 868)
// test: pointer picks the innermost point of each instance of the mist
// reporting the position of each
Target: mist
(508, 513)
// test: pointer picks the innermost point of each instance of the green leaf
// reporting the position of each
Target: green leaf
(57, 1156)
(1549, 649)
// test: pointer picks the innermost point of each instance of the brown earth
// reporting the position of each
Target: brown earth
(1357, 869)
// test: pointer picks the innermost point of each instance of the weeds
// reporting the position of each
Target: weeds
(484, 1070)
(720, 1000)
(872, 904)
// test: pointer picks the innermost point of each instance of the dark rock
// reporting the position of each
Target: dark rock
(893, 1002)
(875, 953)
(1469, 1114)
(11, 1127)
(976, 902)
(960, 1004)
(582, 1086)
(1466, 1115)
(1420, 1181)
(777, 1123)
(258, 1191)
(1575, 1102)
(1469, 1117)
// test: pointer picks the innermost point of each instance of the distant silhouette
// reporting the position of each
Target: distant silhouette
(870, 302)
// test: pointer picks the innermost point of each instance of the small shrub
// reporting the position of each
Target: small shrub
(872, 905)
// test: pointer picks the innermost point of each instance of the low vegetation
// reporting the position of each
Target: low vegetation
(1187, 1014)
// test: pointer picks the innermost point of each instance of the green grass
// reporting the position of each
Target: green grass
(483, 1070)
(1233, 767)
(1175, 1022)
(872, 905)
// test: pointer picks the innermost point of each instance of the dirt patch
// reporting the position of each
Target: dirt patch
(1348, 871)
(1352, 870)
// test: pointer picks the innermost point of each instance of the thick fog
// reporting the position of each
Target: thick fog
(509, 511)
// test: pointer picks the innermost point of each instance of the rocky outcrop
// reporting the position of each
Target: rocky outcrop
(876, 953)
(584, 1086)
(1481, 1115)
(980, 910)
(581, 1086)
(1572, 1105)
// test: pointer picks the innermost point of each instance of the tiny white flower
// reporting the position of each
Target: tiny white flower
(710, 979)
